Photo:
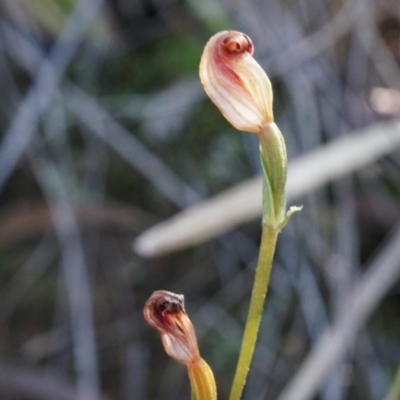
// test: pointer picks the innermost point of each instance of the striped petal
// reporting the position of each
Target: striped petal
(235, 82)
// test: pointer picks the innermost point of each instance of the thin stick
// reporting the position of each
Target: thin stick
(76, 277)
(242, 203)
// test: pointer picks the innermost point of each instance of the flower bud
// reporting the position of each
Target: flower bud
(235, 82)
(165, 311)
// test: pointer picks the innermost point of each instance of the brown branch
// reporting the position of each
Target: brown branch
(21, 222)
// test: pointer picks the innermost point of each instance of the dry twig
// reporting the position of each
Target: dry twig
(242, 203)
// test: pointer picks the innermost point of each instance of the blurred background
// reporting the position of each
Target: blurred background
(106, 132)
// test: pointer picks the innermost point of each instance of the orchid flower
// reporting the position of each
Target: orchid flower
(165, 311)
(235, 82)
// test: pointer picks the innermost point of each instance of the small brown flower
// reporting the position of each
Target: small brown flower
(165, 311)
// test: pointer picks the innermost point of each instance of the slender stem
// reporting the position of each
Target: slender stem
(261, 281)
(202, 381)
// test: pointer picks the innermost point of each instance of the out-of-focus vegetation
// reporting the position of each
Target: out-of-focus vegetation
(113, 134)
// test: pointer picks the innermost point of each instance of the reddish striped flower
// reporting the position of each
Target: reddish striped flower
(235, 82)
(165, 311)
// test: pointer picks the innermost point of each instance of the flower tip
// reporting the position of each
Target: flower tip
(160, 306)
(237, 42)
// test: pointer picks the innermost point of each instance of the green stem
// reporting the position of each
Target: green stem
(261, 281)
